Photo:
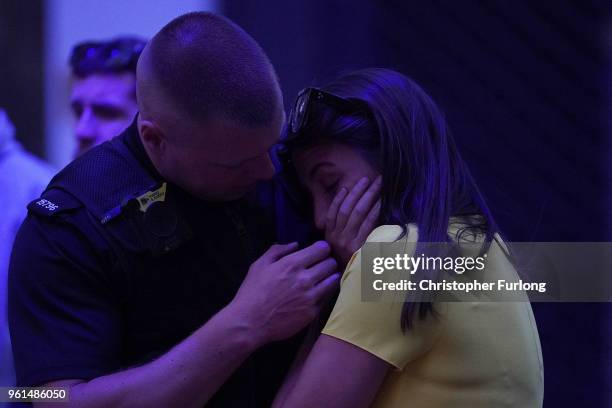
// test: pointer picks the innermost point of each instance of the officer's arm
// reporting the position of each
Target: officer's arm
(65, 323)
(186, 376)
(190, 373)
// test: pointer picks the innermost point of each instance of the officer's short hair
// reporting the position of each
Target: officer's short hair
(106, 57)
(206, 63)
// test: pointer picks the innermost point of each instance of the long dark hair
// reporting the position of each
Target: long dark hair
(405, 136)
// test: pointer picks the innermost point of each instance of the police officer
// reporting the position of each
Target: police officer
(144, 276)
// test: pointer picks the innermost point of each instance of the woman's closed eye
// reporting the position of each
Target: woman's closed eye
(331, 188)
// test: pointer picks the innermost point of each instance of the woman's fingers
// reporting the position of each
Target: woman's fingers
(363, 207)
(370, 221)
(332, 211)
(346, 208)
(352, 216)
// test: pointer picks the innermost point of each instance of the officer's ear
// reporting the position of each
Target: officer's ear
(152, 136)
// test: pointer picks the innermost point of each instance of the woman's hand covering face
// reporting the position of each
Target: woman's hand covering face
(351, 217)
(345, 191)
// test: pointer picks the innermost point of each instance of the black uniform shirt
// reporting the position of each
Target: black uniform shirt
(75, 313)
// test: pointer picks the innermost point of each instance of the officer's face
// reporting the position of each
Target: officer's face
(221, 160)
(103, 105)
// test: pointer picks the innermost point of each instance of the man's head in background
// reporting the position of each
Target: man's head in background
(210, 106)
(103, 97)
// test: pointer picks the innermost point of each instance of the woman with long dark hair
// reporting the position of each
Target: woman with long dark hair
(375, 159)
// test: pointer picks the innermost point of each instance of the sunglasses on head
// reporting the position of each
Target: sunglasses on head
(299, 115)
(106, 56)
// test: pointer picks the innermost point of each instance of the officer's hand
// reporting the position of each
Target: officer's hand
(283, 289)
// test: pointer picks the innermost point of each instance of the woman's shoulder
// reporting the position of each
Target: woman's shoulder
(460, 229)
(391, 233)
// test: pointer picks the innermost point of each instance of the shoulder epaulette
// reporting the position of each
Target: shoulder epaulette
(53, 202)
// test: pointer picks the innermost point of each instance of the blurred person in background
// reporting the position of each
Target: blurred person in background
(22, 178)
(103, 96)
